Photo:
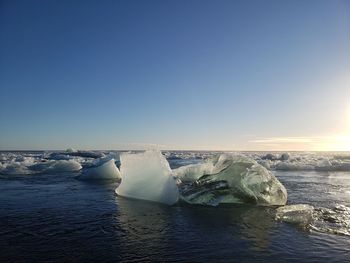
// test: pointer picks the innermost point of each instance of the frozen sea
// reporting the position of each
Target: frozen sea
(47, 214)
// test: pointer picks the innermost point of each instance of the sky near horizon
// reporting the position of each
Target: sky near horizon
(200, 75)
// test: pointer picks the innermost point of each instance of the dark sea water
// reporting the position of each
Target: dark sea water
(57, 218)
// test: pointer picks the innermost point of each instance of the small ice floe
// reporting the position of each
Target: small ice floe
(101, 169)
(334, 220)
(300, 214)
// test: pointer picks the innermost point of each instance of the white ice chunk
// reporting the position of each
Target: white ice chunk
(147, 176)
(103, 170)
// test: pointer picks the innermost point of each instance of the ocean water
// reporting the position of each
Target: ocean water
(48, 215)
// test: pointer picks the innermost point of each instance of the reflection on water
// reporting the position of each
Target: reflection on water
(154, 229)
(258, 223)
(144, 226)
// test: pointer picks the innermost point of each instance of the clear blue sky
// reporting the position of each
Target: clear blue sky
(192, 74)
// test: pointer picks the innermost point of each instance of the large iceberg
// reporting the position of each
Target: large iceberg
(231, 179)
(102, 170)
(147, 176)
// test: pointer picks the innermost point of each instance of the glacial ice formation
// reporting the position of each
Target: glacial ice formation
(69, 153)
(147, 176)
(53, 166)
(20, 162)
(25, 163)
(222, 179)
(233, 179)
(15, 164)
(298, 161)
(13, 168)
(304, 161)
(192, 172)
(103, 169)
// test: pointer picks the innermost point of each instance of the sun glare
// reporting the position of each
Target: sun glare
(340, 143)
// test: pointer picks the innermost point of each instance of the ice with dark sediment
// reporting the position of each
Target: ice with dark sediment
(230, 178)
(226, 178)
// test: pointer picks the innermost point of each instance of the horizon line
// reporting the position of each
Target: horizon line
(170, 150)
